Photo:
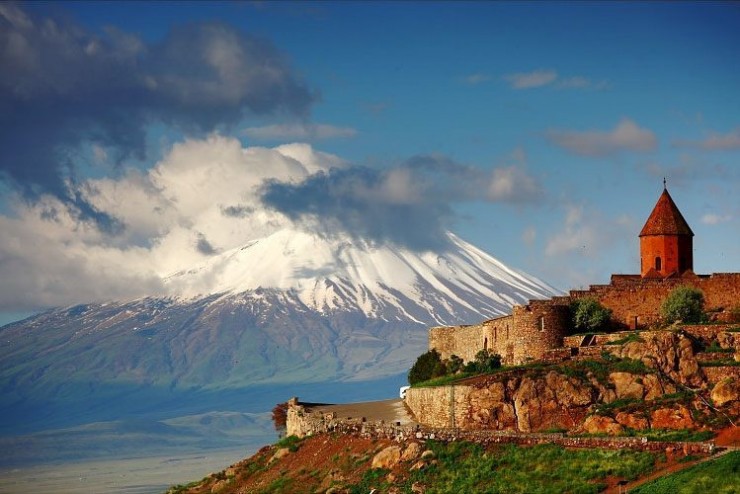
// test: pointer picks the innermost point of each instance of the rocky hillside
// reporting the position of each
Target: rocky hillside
(347, 464)
(666, 386)
(648, 380)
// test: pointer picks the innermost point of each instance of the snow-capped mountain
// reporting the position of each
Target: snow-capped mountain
(293, 312)
(384, 282)
(290, 308)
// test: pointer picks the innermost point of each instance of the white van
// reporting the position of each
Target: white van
(402, 392)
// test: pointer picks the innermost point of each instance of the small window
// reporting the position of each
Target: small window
(658, 264)
(542, 323)
(485, 344)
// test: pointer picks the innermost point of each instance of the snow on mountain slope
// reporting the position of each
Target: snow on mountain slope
(347, 274)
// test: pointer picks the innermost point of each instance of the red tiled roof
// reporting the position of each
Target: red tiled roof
(666, 219)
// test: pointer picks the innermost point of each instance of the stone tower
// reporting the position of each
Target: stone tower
(666, 241)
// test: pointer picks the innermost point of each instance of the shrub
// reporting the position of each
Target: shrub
(427, 366)
(485, 361)
(454, 364)
(684, 304)
(290, 442)
(587, 314)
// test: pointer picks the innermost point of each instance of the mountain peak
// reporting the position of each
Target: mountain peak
(340, 273)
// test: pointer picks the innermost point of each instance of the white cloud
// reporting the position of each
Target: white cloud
(475, 79)
(586, 233)
(541, 78)
(512, 184)
(715, 141)
(714, 219)
(528, 80)
(626, 136)
(175, 214)
(299, 131)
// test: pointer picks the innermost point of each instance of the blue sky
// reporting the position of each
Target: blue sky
(539, 132)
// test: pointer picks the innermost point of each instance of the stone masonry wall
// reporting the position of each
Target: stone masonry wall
(634, 299)
(538, 327)
(521, 337)
(497, 335)
(314, 423)
(533, 330)
(440, 406)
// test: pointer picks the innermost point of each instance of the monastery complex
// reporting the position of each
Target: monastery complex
(536, 331)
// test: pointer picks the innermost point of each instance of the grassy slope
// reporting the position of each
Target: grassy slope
(323, 461)
(719, 476)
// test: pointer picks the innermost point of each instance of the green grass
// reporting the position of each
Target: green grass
(283, 484)
(627, 339)
(453, 378)
(290, 442)
(443, 380)
(468, 467)
(371, 479)
(609, 408)
(720, 363)
(719, 476)
(180, 488)
(632, 366)
(674, 435)
(714, 347)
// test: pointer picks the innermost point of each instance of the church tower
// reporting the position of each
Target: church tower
(666, 241)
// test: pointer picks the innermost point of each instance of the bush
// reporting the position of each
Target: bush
(684, 304)
(485, 361)
(454, 364)
(427, 366)
(587, 314)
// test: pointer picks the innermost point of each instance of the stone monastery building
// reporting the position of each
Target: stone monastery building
(537, 329)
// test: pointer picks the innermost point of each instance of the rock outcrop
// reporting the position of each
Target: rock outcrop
(726, 391)
(655, 380)
(668, 352)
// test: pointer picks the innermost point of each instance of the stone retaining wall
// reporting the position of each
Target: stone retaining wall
(317, 423)
(440, 406)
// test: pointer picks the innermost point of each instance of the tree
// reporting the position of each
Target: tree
(485, 361)
(280, 416)
(427, 366)
(684, 304)
(587, 314)
(454, 364)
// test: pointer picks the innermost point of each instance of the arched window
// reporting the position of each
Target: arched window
(658, 264)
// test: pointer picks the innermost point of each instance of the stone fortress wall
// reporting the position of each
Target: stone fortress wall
(532, 330)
